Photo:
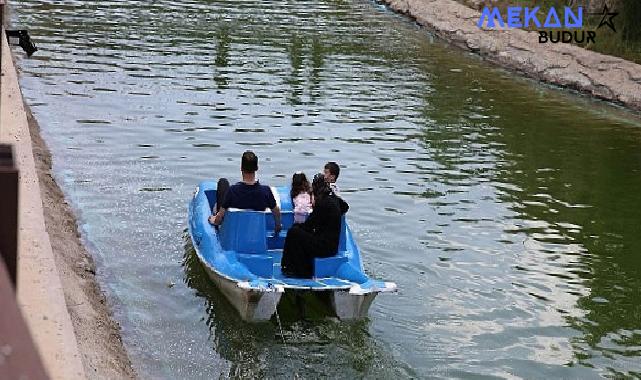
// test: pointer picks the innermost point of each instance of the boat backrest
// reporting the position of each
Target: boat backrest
(286, 219)
(327, 267)
(211, 198)
(243, 231)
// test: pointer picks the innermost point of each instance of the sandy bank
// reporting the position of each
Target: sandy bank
(65, 310)
(588, 72)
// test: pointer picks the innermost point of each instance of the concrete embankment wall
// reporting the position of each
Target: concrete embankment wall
(591, 73)
(40, 293)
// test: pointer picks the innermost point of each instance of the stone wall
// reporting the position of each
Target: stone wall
(588, 72)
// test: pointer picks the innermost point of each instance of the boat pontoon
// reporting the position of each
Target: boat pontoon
(243, 257)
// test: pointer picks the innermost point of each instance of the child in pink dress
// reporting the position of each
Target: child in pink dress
(301, 197)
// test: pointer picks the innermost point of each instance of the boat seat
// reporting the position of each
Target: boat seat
(327, 267)
(287, 220)
(243, 231)
(260, 265)
(211, 198)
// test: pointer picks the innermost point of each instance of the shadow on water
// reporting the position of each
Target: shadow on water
(316, 345)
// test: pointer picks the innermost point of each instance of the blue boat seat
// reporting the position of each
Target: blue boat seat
(287, 220)
(327, 267)
(260, 265)
(243, 231)
(211, 198)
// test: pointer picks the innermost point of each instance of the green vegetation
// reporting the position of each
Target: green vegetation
(625, 43)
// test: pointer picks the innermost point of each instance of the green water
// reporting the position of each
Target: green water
(508, 213)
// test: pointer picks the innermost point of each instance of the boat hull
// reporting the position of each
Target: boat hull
(252, 305)
(351, 306)
(257, 306)
(242, 257)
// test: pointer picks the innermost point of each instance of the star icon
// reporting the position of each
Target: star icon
(607, 18)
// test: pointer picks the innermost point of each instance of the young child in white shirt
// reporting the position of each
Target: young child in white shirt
(331, 172)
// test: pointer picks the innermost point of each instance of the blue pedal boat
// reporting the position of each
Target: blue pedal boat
(243, 259)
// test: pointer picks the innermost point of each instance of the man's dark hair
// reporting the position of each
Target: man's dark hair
(333, 168)
(249, 162)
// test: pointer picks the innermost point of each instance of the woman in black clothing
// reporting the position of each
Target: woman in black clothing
(318, 236)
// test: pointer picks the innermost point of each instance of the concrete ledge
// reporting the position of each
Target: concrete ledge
(591, 73)
(40, 294)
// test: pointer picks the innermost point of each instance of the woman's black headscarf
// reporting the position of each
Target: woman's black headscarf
(320, 188)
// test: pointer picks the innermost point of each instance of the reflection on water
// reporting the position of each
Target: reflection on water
(259, 350)
(506, 212)
(584, 208)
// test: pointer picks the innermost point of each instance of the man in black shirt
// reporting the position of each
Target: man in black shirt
(248, 194)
